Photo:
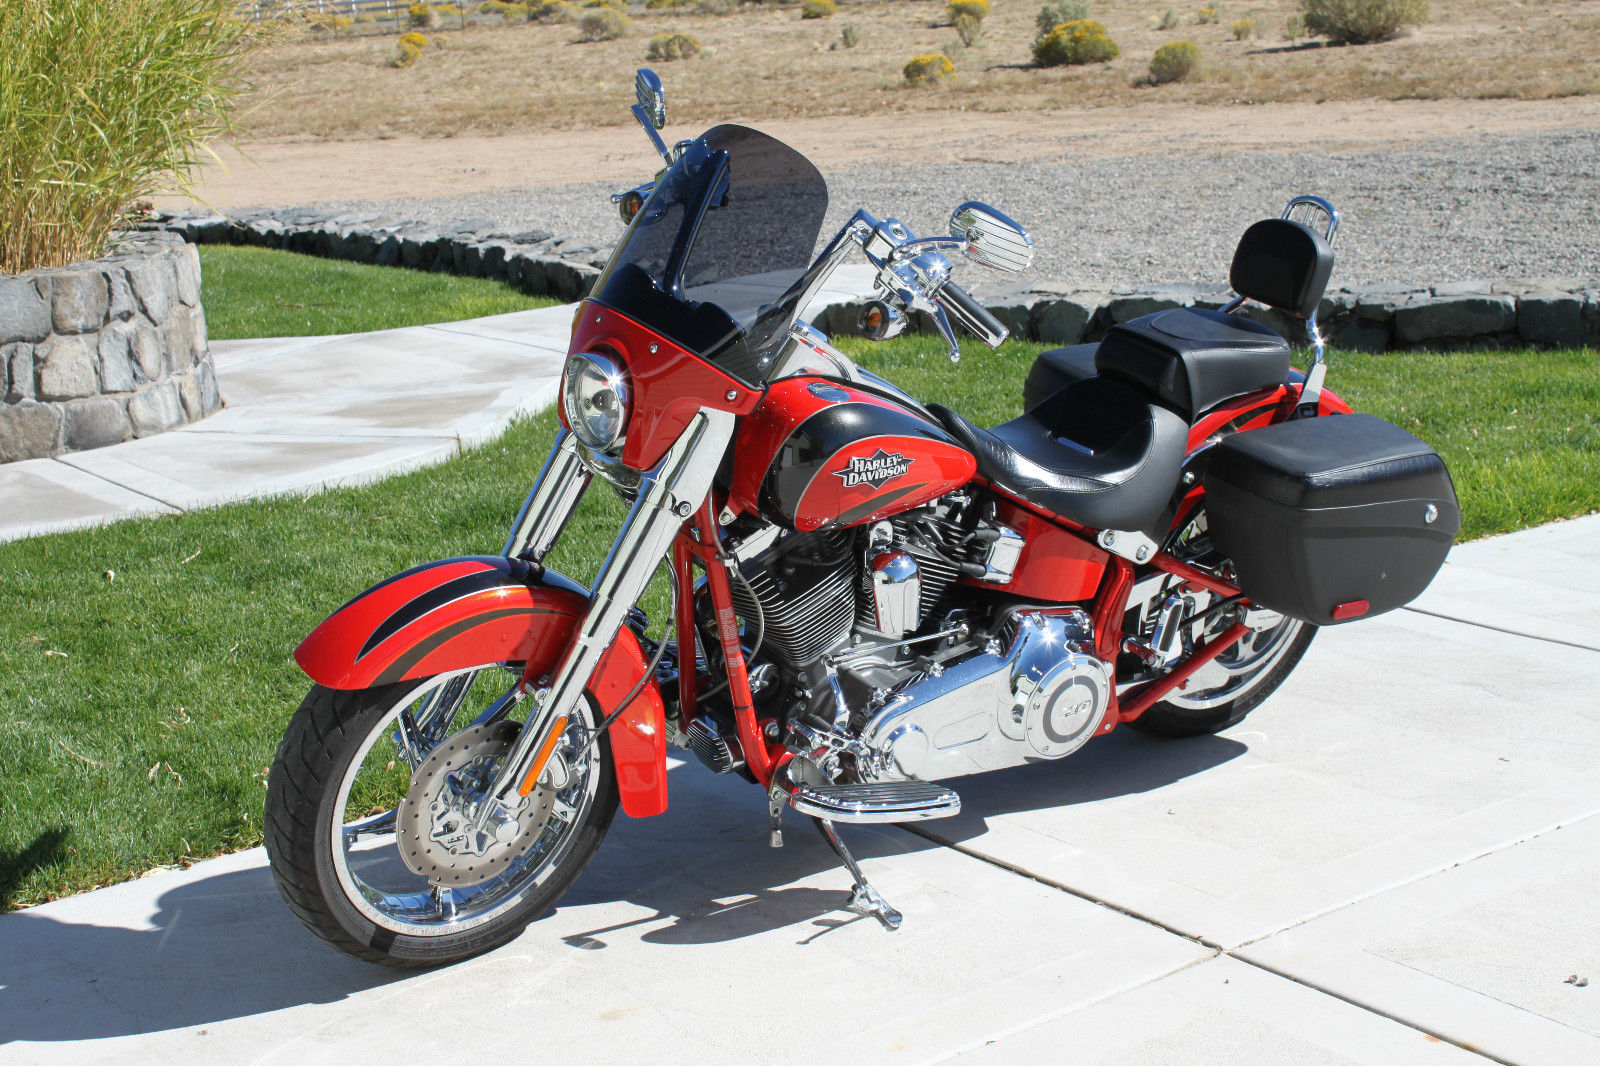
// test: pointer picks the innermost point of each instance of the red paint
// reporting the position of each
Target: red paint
(670, 385)
(516, 621)
(521, 620)
(1150, 694)
(1109, 607)
(1256, 410)
(933, 469)
(1056, 564)
(702, 544)
(936, 467)
(1353, 609)
(1194, 575)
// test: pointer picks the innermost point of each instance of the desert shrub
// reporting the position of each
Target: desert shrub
(1175, 61)
(365, 19)
(450, 9)
(714, 7)
(976, 8)
(818, 9)
(657, 5)
(1054, 13)
(1294, 27)
(423, 16)
(1075, 43)
(1169, 20)
(603, 24)
(929, 69)
(511, 11)
(1207, 16)
(408, 49)
(849, 36)
(330, 23)
(669, 46)
(1362, 21)
(104, 103)
(550, 11)
(1243, 29)
(968, 29)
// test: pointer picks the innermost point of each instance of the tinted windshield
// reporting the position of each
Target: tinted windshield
(729, 230)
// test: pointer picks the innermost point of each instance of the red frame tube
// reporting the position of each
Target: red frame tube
(1152, 692)
(703, 545)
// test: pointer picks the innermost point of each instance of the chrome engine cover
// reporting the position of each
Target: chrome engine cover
(1041, 697)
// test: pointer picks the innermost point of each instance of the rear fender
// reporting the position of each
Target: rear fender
(456, 614)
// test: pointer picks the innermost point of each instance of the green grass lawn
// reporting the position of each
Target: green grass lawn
(258, 292)
(138, 714)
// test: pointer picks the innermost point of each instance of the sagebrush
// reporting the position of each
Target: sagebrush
(1075, 43)
(1362, 21)
(666, 47)
(104, 103)
(928, 69)
(1175, 61)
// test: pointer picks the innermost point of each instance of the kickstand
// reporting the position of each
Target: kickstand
(864, 899)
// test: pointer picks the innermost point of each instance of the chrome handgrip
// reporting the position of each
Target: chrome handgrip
(971, 315)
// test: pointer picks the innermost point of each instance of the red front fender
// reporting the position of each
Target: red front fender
(481, 609)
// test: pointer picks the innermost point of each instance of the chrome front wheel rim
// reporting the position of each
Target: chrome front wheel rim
(364, 845)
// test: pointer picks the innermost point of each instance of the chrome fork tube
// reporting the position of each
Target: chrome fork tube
(667, 496)
(555, 495)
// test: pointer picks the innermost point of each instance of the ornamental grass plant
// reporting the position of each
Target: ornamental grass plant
(103, 103)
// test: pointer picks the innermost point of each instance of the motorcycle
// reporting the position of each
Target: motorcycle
(872, 596)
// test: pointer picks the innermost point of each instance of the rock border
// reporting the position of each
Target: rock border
(1541, 312)
(103, 351)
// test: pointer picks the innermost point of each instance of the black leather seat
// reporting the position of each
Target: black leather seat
(1188, 359)
(1096, 452)
(1191, 359)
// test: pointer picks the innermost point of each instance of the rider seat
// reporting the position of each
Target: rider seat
(1191, 359)
(1096, 452)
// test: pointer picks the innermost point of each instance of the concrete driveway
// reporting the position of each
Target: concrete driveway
(1394, 860)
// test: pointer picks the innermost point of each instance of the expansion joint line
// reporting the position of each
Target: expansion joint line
(1213, 950)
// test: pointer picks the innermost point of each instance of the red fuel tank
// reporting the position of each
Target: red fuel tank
(819, 453)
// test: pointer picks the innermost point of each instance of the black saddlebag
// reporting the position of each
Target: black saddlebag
(1331, 519)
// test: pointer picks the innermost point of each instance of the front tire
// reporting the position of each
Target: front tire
(344, 768)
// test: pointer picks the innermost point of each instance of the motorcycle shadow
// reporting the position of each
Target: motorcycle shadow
(224, 946)
(217, 948)
(705, 875)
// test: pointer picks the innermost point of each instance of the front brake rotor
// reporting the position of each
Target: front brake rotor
(434, 827)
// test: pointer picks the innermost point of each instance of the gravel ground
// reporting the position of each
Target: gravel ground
(1495, 208)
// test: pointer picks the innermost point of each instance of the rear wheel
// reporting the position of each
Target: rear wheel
(1233, 684)
(369, 818)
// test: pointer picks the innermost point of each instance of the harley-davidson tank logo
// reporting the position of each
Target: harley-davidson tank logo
(875, 470)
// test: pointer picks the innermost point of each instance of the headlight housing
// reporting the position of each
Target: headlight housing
(594, 397)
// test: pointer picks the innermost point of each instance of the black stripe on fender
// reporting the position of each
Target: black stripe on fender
(400, 667)
(436, 597)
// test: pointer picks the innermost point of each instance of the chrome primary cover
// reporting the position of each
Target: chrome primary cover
(434, 826)
(1042, 697)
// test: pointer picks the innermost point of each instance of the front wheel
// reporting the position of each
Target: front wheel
(369, 828)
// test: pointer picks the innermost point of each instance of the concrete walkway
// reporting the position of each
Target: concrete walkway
(1392, 861)
(307, 413)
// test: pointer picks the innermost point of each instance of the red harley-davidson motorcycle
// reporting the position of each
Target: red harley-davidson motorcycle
(889, 597)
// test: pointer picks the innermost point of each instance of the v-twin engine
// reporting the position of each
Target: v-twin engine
(1038, 693)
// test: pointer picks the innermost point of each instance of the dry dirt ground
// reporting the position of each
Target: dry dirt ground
(304, 171)
(498, 106)
(766, 62)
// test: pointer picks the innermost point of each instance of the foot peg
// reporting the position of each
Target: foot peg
(864, 899)
(888, 801)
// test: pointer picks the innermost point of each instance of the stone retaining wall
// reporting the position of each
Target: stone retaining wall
(1551, 312)
(100, 352)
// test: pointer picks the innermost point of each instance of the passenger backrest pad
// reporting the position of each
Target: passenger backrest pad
(1283, 264)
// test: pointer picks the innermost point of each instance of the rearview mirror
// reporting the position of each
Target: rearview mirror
(652, 96)
(992, 239)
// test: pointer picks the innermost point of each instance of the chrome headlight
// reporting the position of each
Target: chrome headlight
(594, 397)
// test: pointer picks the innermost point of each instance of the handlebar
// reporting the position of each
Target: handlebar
(971, 315)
